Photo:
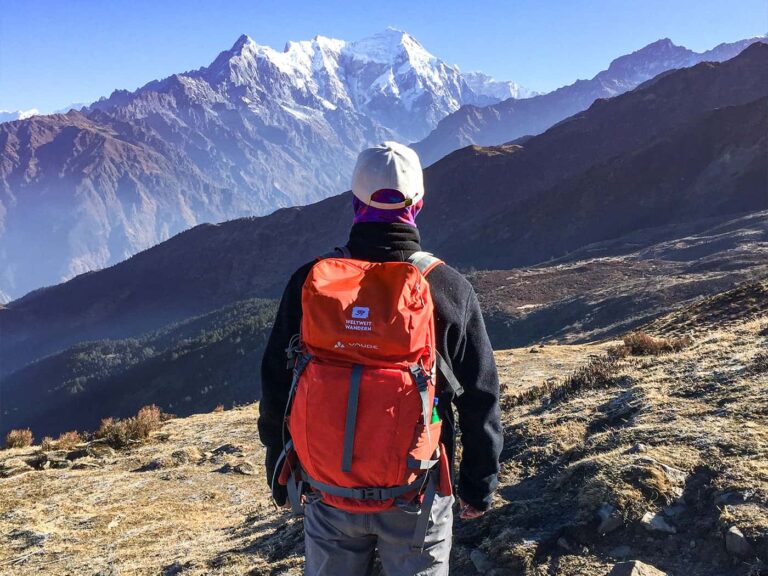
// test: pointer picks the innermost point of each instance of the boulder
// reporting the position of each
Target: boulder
(610, 519)
(657, 523)
(480, 561)
(635, 568)
(85, 464)
(14, 466)
(246, 468)
(228, 449)
(100, 450)
(186, 455)
(736, 543)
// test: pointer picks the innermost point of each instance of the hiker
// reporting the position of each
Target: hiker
(358, 423)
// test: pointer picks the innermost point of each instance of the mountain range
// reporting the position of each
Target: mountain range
(256, 130)
(619, 213)
(512, 118)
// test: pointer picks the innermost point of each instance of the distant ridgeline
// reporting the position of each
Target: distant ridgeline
(611, 217)
(185, 368)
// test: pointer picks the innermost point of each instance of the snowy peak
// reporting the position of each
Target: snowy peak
(10, 115)
(484, 85)
(391, 47)
(242, 43)
(388, 77)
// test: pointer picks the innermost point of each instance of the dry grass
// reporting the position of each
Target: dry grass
(19, 438)
(68, 440)
(599, 372)
(120, 433)
(190, 519)
(683, 431)
(643, 344)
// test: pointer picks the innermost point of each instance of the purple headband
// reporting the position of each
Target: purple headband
(366, 213)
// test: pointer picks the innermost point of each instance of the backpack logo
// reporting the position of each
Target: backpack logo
(360, 312)
(339, 345)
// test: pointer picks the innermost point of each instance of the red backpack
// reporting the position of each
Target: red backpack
(361, 410)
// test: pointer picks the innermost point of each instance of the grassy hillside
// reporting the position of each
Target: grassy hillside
(608, 457)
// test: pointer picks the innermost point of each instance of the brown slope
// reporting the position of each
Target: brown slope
(712, 167)
(485, 182)
(77, 192)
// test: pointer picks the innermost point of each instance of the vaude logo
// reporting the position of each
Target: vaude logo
(339, 345)
(360, 312)
(363, 345)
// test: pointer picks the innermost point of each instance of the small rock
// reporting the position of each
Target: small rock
(58, 463)
(86, 463)
(610, 519)
(228, 449)
(100, 450)
(56, 454)
(534, 351)
(673, 511)
(638, 448)
(623, 551)
(14, 466)
(186, 455)
(29, 538)
(736, 543)
(656, 523)
(246, 468)
(635, 568)
(731, 497)
(480, 560)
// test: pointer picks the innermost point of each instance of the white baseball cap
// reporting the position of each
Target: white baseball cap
(390, 166)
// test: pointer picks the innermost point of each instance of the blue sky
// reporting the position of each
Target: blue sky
(53, 53)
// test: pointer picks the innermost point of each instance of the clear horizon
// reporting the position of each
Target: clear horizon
(86, 52)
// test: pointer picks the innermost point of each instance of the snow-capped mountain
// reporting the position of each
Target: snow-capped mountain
(256, 130)
(388, 77)
(513, 118)
(10, 115)
(486, 85)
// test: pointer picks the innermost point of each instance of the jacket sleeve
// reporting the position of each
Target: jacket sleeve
(478, 410)
(276, 376)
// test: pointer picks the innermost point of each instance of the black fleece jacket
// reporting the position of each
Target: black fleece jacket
(461, 340)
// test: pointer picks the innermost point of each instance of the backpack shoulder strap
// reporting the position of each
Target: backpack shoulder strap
(424, 261)
(337, 252)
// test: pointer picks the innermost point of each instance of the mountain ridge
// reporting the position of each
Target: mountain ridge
(511, 119)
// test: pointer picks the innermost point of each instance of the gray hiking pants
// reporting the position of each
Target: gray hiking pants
(339, 543)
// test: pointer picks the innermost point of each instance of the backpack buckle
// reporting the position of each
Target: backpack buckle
(419, 376)
(369, 493)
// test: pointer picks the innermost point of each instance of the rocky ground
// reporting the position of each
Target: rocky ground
(608, 459)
